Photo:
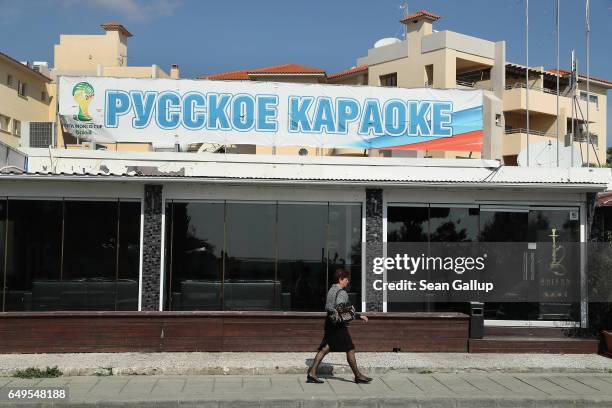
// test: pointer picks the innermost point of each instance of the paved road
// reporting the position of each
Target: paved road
(394, 389)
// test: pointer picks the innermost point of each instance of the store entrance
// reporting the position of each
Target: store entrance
(540, 265)
(533, 255)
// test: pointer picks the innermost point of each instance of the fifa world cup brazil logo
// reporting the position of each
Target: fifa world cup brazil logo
(83, 94)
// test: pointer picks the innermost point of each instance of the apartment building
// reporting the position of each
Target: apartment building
(446, 59)
(28, 90)
(26, 97)
(102, 55)
(425, 58)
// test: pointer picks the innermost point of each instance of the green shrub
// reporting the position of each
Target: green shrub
(35, 372)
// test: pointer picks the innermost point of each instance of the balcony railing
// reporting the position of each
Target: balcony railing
(580, 138)
(519, 85)
(531, 132)
(469, 84)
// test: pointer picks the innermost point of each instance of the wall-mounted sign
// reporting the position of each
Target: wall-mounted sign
(112, 110)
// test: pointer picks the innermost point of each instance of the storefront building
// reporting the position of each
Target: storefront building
(110, 251)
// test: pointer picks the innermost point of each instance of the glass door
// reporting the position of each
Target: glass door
(504, 232)
(554, 236)
(534, 256)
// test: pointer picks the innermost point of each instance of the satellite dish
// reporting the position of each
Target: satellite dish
(544, 154)
(386, 41)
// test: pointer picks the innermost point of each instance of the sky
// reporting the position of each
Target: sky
(210, 36)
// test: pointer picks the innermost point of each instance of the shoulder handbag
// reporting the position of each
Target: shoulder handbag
(343, 312)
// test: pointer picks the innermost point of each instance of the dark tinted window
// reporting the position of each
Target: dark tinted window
(197, 247)
(34, 255)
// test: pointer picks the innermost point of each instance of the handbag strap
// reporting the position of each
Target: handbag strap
(336, 299)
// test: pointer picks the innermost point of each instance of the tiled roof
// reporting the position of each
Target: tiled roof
(566, 72)
(419, 14)
(233, 75)
(354, 70)
(114, 25)
(283, 69)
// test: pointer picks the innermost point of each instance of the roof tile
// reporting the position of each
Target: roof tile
(354, 70)
(419, 14)
(245, 74)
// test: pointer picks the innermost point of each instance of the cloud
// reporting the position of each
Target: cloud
(131, 9)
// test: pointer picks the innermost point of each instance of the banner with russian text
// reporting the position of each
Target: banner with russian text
(168, 111)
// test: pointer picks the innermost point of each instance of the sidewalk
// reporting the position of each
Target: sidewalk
(296, 363)
(394, 389)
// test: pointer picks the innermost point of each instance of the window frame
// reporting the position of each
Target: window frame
(16, 128)
(21, 88)
(391, 77)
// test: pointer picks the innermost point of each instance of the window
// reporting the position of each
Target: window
(9, 80)
(260, 255)
(196, 253)
(43, 96)
(429, 75)
(21, 88)
(4, 123)
(71, 255)
(16, 128)
(592, 98)
(33, 264)
(250, 282)
(498, 119)
(302, 268)
(388, 80)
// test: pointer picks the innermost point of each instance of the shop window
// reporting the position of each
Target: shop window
(407, 224)
(129, 239)
(33, 258)
(3, 205)
(302, 257)
(259, 256)
(344, 247)
(389, 79)
(250, 282)
(453, 224)
(196, 248)
(73, 255)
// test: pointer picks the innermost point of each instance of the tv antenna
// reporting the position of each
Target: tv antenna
(404, 8)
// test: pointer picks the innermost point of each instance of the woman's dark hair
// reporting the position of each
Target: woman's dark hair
(340, 274)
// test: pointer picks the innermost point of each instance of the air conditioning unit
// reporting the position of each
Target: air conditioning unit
(38, 134)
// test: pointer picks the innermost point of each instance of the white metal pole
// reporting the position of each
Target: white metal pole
(557, 83)
(527, 72)
(573, 91)
(588, 80)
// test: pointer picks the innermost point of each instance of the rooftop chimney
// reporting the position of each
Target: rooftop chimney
(418, 25)
(175, 72)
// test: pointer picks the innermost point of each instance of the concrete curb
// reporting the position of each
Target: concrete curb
(395, 402)
(147, 371)
(107, 364)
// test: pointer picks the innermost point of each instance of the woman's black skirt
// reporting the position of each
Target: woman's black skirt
(337, 337)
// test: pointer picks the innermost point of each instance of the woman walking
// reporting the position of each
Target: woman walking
(337, 337)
